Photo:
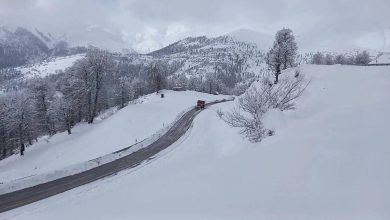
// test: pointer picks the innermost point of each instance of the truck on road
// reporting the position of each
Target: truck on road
(200, 104)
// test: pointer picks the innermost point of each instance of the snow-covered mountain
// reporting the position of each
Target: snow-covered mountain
(202, 56)
(196, 56)
(20, 47)
(24, 46)
(226, 59)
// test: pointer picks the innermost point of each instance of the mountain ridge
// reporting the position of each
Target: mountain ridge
(24, 46)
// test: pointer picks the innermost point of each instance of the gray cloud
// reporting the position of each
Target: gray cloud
(149, 24)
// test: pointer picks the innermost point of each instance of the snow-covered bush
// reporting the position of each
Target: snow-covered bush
(324, 58)
(362, 58)
(258, 99)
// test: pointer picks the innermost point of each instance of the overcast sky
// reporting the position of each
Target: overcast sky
(150, 24)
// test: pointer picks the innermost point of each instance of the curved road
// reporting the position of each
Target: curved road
(32, 194)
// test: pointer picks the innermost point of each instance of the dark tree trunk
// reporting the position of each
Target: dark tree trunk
(89, 105)
(47, 119)
(21, 135)
(285, 62)
(277, 73)
(68, 123)
(79, 115)
(22, 148)
(68, 128)
(98, 78)
(94, 107)
(122, 98)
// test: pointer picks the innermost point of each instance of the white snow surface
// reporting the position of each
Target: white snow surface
(50, 66)
(329, 159)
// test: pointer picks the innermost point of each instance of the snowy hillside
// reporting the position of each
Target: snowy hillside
(383, 58)
(329, 159)
(126, 127)
(49, 66)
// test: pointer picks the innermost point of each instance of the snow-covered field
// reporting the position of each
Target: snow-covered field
(329, 159)
(51, 66)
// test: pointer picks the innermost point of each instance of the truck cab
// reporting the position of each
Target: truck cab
(200, 104)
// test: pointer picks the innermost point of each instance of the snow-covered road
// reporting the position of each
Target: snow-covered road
(25, 196)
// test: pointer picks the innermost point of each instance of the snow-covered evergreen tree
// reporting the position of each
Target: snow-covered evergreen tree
(282, 54)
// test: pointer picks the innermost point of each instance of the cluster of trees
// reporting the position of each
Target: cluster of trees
(8, 74)
(210, 83)
(361, 58)
(44, 106)
(227, 77)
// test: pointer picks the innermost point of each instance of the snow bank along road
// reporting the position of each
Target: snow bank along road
(32, 194)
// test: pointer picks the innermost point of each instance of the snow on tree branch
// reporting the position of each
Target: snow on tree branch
(258, 99)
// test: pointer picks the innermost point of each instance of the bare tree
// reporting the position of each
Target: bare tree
(156, 79)
(20, 118)
(63, 111)
(40, 94)
(362, 58)
(3, 129)
(258, 99)
(340, 59)
(99, 62)
(318, 58)
(329, 59)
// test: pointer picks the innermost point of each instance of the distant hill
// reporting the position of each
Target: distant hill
(202, 56)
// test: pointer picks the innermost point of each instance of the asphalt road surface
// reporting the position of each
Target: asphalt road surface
(32, 194)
